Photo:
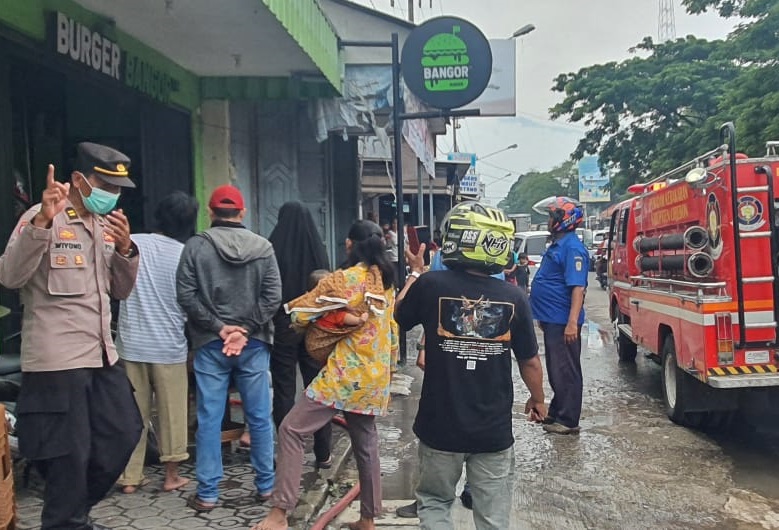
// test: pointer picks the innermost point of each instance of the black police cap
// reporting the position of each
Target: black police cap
(107, 163)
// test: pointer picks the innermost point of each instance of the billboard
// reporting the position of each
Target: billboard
(592, 182)
(500, 96)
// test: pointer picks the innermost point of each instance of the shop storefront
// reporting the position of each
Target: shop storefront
(66, 76)
(70, 76)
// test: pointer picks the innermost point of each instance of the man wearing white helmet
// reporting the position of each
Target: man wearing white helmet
(472, 322)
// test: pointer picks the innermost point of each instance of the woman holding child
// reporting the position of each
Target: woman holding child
(354, 380)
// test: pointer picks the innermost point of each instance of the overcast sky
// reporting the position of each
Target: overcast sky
(570, 34)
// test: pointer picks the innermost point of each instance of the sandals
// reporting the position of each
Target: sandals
(327, 464)
(262, 497)
(199, 505)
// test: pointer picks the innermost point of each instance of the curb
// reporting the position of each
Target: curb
(314, 498)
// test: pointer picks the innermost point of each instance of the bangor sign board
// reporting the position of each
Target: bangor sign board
(446, 62)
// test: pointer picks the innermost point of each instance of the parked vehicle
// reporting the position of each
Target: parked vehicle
(693, 280)
(533, 244)
(597, 237)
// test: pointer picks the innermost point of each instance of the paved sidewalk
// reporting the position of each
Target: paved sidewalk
(152, 509)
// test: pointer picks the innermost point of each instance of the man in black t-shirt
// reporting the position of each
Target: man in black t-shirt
(472, 322)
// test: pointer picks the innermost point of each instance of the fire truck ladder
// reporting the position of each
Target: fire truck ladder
(728, 137)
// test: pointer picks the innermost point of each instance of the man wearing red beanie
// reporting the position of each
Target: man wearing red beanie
(229, 285)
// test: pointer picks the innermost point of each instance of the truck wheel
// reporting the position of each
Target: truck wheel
(626, 348)
(677, 389)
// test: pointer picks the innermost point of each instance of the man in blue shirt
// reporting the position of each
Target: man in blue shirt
(557, 301)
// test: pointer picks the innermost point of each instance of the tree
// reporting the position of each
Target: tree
(533, 186)
(664, 106)
(648, 113)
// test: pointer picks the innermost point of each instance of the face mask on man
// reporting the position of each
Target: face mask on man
(99, 201)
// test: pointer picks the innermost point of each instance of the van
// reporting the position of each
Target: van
(534, 245)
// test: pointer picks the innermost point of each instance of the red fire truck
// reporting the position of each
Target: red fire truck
(693, 280)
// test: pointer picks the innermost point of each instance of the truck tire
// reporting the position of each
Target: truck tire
(626, 348)
(678, 387)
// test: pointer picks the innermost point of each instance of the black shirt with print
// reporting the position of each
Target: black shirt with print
(471, 324)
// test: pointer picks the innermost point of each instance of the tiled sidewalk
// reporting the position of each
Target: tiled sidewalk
(152, 509)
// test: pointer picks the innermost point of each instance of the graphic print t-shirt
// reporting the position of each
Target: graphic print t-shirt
(471, 325)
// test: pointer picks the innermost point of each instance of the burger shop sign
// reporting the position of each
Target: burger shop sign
(81, 44)
(446, 62)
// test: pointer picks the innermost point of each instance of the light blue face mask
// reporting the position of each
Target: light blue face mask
(99, 201)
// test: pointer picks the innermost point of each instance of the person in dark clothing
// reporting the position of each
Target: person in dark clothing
(522, 273)
(299, 252)
(472, 324)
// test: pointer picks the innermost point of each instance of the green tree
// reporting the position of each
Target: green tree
(648, 113)
(531, 187)
(663, 107)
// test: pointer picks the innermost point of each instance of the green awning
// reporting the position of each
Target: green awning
(308, 25)
(263, 88)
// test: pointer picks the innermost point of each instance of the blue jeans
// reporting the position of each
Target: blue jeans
(251, 373)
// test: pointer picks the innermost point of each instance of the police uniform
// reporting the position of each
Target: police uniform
(77, 417)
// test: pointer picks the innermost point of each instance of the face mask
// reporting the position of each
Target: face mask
(99, 201)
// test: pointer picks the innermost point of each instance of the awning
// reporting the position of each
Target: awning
(241, 40)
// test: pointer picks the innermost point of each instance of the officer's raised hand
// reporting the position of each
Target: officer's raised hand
(53, 201)
(119, 228)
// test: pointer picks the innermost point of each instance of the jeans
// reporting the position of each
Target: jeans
(251, 373)
(491, 479)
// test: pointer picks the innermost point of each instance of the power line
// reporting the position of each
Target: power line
(441, 7)
(499, 167)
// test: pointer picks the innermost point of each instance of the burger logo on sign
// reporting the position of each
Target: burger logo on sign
(446, 62)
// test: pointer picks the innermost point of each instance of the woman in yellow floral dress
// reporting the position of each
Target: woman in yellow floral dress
(355, 379)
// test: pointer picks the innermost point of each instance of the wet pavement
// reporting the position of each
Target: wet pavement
(630, 467)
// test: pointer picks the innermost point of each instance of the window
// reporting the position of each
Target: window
(623, 225)
(536, 246)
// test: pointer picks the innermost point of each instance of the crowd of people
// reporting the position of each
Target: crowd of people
(245, 312)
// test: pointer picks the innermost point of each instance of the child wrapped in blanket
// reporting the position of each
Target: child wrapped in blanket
(332, 326)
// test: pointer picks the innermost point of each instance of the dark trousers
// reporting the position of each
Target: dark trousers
(79, 427)
(289, 350)
(564, 369)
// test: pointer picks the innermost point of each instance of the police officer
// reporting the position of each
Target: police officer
(557, 300)
(77, 418)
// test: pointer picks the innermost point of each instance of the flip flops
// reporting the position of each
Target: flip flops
(199, 505)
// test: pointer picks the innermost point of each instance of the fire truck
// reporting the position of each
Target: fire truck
(693, 280)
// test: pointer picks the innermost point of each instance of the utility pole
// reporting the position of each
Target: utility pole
(411, 8)
(455, 125)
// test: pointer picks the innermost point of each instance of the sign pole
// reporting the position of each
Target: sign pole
(397, 166)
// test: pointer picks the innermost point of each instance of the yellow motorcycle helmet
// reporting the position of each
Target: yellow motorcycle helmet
(477, 237)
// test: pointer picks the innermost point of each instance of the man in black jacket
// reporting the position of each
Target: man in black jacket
(229, 285)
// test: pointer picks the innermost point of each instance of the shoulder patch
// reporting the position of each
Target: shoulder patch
(71, 212)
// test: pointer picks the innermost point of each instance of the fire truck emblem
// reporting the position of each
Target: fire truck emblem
(750, 214)
(713, 219)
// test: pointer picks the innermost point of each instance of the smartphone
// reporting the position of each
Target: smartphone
(413, 239)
